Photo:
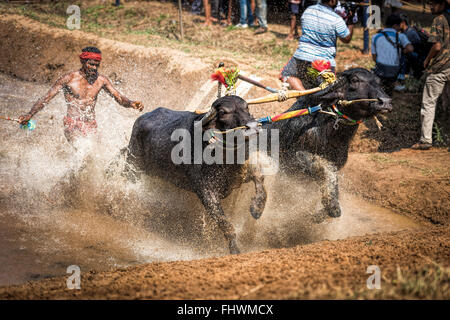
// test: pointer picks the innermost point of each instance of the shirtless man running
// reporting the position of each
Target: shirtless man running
(81, 89)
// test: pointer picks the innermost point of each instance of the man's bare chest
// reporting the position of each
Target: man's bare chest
(81, 89)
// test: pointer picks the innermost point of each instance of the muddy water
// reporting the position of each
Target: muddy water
(58, 209)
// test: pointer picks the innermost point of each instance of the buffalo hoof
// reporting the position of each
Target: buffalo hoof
(256, 213)
(234, 248)
(334, 212)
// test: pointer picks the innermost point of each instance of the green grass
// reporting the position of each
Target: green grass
(161, 18)
(142, 32)
(94, 9)
(437, 134)
(385, 161)
(130, 13)
(428, 282)
(230, 28)
(380, 159)
(283, 50)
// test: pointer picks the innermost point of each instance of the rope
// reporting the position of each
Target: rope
(346, 103)
(30, 125)
(230, 130)
(9, 119)
(301, 112)
(282, 95)
(352, 121)
(214, 139)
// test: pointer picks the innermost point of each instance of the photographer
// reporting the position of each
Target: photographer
(360, 12)
(387, 47)
(437, 64)
(419, 39)
(347, 10)
(321, 27)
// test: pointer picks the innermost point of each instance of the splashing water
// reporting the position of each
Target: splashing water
(58, 206)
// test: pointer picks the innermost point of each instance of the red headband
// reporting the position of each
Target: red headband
(91, 55)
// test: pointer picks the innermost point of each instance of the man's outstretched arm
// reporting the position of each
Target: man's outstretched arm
(348, 38)
(40, 104)
(121, 99)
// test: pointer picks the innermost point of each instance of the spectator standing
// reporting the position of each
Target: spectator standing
(321, 27)
(212, 11)
(386, 51)
(208, 18)
(261, 14)
(365, 18)
(196, 7)
(227, 7)
(437, 65)
(413, 60)
(295, 9)
(246, 17)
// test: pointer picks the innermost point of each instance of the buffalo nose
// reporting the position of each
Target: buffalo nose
(386, 103)
(252, 128)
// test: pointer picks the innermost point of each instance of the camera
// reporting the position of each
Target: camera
(350, 8)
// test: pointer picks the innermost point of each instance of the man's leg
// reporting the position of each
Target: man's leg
(404, 69)
(207, 6)
(261, 14)
(434, 85)
(230, 12)
(446, 99)
(289, 75)
(293, 25)
(243, 9)
(196, 7)
(215, 11)
(365, 18)
(250, 14)
(295, 83)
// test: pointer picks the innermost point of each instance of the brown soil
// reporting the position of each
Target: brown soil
(414, 184)
(329, 269)
(410, 182)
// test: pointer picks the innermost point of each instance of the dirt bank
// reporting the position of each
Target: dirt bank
(35, 52)
(409, 182)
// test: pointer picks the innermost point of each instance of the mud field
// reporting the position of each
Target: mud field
(152, 241)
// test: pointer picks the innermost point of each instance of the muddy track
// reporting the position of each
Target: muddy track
(328, 269)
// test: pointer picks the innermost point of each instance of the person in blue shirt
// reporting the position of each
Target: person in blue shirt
(413, 60)
(321, 27)
(387, 48)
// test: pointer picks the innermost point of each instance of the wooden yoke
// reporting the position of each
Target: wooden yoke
(288, 95)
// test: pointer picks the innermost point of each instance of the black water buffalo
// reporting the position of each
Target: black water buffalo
(318, 144)
(151, 150)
